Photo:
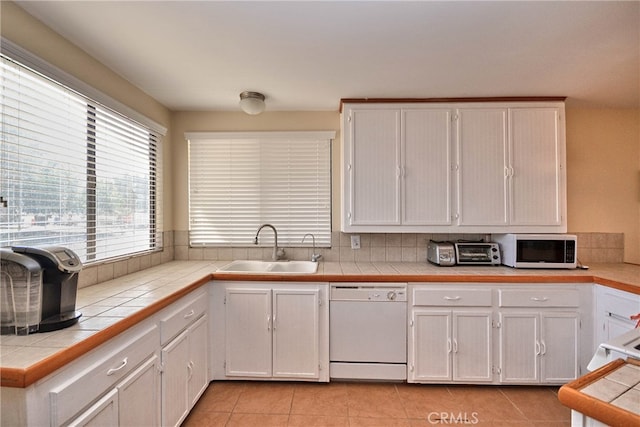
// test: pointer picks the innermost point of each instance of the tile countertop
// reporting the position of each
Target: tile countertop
(610, 394)
(111, 307)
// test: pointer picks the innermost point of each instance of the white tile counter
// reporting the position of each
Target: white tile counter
(610, 394)
(110, 307)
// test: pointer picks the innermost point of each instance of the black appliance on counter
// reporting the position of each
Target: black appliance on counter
(39, 287)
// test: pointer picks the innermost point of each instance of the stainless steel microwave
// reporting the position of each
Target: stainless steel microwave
(538, 250)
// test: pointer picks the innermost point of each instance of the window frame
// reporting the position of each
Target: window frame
(96, 101)
(266, 239)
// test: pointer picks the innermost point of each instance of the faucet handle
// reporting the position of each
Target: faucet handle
(280, 254)
(315, 257)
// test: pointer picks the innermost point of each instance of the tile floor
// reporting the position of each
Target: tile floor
(237, 403)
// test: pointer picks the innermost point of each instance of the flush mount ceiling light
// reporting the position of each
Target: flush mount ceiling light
(252, 102)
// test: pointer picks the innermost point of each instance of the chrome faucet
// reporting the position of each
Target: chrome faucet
(278, 253)
(314, 256)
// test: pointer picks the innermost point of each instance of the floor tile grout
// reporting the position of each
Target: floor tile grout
(243, 403)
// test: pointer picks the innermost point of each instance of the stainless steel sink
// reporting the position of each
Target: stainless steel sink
(270, 267)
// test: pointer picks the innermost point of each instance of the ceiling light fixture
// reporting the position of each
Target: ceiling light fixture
(252, 102)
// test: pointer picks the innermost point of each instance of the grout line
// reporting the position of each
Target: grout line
(501, 390)
(404, 408)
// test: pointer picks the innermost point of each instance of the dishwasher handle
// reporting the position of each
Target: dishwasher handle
(369, 293)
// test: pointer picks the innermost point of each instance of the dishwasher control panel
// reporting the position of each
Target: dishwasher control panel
(384, 292)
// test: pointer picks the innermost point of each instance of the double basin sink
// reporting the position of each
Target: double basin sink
(270, 267)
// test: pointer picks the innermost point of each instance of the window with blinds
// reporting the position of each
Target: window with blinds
(73, 172)
(239, 181)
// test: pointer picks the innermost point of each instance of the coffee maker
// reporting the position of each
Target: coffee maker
(38, 289)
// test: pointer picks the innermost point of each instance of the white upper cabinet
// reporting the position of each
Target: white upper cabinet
(396, 168)
(536, 166)
(478, 167)
(426, 167)
(482, 162)
(372, 167)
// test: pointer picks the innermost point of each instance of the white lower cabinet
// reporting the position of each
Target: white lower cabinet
(116, 384)
(450, 346)
(185, 373)
(102, 413)
(495, 333)
(131, 403)
(451, 334)
(137, 405)
(614, 309)
(277, 331)
(539, 345)
(272, 333)
(151, 375)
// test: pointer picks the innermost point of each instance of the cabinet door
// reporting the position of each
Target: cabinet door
(482, 171)
(198, 359)
(104, 413)
(296, 338)
(472, 340)
(559, 347)
(139, 396)
(248, 325)
(175, 361)
(426, 167)
(519, 347)
(372, 162)
(536, 159)
(432, 346)
(613, 310)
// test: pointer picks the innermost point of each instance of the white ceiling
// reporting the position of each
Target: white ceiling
(199, 55)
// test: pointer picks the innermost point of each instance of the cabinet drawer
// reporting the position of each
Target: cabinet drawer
(180, 318)
(87, 385)
(539, 298)
(619, 304)
(452, 297)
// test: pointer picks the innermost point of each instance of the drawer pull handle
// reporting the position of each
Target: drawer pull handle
(114, 370)
(539, 299)
(189, 314)
(457, 298)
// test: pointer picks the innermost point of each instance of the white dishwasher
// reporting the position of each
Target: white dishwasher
(368, 331)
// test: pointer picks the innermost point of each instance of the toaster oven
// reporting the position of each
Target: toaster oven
(463, 253)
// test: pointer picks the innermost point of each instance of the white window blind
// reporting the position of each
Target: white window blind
(239, 181)
(73, 173)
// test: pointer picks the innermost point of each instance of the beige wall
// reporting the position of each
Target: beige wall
(603, 174)
(603, 146)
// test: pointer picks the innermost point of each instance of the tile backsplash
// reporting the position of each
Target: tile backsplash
(374, 247)
(600, 247)
(391, 247)
(98, 273)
